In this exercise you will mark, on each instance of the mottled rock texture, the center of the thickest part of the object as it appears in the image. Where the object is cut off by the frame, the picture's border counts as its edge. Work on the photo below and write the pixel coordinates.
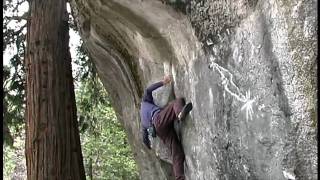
(248, 66)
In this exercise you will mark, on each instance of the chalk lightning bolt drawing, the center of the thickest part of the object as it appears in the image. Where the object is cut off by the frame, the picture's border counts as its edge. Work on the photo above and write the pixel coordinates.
(246, 99)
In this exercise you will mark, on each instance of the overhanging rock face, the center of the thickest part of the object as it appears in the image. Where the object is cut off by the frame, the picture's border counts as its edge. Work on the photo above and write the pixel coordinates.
(248, 66)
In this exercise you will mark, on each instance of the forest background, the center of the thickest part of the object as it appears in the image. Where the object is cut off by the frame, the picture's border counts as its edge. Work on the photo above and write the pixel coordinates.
(105, 148)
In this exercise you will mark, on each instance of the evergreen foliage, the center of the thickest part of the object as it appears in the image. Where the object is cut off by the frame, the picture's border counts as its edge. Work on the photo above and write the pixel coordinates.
(14, 35)
(105, 148)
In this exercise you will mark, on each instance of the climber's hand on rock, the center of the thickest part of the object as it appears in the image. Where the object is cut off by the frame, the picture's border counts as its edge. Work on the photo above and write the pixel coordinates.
(166, 79)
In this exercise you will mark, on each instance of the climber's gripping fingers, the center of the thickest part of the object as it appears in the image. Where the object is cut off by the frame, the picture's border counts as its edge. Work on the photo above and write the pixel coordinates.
(166, 79)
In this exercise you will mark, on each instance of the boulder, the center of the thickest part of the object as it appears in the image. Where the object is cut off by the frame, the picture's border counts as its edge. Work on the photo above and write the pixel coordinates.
(248, 67)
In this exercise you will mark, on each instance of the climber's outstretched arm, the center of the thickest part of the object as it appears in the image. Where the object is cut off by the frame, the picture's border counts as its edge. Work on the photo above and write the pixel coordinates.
(147, 96)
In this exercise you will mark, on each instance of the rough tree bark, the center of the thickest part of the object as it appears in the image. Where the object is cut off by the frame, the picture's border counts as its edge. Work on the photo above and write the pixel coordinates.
(53, 148)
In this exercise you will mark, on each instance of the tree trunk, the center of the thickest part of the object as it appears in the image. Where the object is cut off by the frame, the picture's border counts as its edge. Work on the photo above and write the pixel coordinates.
(53, 148)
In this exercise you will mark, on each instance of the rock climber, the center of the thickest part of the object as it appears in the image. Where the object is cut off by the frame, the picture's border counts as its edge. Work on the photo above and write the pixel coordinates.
(160, 122)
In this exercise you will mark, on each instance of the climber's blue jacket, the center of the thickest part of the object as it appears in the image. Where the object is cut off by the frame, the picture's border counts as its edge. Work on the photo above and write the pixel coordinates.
(148, 110)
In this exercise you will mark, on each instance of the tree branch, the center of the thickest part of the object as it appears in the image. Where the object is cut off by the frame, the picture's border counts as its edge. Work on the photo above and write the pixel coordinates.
(18, 18)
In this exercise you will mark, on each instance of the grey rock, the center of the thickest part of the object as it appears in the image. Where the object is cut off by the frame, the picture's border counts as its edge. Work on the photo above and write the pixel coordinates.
(248, 66)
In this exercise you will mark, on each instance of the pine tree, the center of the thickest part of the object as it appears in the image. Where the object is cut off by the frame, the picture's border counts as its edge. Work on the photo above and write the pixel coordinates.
(53, 148)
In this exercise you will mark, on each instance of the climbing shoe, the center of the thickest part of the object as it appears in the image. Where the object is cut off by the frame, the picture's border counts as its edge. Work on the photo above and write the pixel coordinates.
(185, 110)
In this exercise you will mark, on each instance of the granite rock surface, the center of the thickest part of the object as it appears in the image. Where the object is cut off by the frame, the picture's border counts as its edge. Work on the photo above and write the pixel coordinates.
(248, 66)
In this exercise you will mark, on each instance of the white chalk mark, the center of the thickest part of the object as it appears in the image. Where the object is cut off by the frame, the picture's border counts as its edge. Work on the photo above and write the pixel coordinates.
(288, 175)
(248, 106)
(261, 107)
(210, 98)
(228, 32)
(209, 42)
(227, 81)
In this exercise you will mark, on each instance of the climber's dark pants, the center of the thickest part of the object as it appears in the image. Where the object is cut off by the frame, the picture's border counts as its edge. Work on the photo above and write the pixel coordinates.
(165, 130)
